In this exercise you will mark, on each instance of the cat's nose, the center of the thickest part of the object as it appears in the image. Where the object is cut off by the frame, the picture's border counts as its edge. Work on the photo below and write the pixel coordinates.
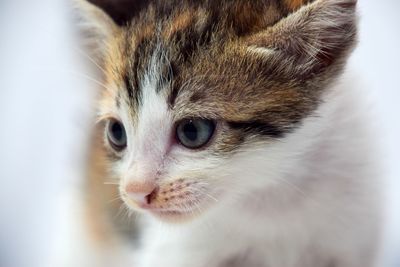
(142, 193)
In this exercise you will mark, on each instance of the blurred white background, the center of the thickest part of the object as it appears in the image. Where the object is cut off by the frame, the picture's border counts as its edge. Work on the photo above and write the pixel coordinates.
(377, 60)
(45, 112)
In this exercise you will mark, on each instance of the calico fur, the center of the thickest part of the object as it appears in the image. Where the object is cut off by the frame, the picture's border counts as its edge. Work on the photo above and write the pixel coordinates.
(289, 177)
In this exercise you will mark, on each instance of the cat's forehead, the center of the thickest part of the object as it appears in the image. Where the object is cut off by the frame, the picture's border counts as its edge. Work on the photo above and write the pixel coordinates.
(197, 64)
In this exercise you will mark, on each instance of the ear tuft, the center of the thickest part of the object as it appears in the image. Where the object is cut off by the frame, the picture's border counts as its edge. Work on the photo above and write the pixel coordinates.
(95, 25)
(314, 37)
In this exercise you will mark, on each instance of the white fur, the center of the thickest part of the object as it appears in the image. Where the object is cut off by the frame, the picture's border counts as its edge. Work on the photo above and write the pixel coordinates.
(148, 141)
(307, 200)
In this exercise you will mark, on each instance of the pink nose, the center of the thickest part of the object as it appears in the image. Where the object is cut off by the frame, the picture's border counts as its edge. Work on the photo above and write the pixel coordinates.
(142, 193)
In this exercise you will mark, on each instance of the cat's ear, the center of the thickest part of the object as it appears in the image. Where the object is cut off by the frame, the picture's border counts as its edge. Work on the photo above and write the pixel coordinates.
(96, 27)
(314, 38)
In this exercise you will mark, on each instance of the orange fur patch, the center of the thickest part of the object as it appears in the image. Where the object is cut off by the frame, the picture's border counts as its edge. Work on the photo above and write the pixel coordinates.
(179, 23)
(294, 4)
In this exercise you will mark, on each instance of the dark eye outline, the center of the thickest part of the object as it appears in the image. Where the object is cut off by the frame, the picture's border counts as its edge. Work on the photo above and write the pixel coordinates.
(111, 139)
(213, 125)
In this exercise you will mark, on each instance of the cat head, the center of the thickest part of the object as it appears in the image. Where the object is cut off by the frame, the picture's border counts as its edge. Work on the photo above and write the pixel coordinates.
(202, 99)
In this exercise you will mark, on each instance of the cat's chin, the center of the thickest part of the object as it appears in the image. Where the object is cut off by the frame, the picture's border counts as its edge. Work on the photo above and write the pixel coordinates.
(174, 216)
(165, 215)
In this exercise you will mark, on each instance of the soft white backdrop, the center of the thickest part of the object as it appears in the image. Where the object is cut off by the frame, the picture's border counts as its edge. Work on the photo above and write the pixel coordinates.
(377, 61)
(44, 113)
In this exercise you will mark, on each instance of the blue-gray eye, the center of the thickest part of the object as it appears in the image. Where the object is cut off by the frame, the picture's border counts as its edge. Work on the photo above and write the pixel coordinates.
(116, 135)
(194, 133)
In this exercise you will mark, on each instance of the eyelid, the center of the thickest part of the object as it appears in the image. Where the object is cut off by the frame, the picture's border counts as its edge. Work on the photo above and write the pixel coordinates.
(105, 118)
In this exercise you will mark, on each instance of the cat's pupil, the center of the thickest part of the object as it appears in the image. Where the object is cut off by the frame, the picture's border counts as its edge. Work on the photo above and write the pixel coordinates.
(117, 131)
(190, 131)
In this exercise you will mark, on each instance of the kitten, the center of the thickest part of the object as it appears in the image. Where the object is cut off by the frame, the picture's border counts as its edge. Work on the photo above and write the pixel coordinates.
(231, 133)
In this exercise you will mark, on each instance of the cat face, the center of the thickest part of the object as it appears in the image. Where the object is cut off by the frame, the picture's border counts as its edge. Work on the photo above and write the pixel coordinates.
(204, 103)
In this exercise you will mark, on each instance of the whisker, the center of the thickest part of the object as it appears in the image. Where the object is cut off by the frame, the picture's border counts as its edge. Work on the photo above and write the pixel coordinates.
(111, 183)
(203, 192)
(83, 75)
(91, 79)
(292, 185)
(314, 201)
(90, 58)
(114, 200)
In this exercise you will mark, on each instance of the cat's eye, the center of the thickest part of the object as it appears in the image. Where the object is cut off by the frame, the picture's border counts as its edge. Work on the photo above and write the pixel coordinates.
(194, 133)
(116, 135)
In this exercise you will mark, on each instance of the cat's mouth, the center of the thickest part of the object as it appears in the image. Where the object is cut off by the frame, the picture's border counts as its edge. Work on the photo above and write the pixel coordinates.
(176, 201)
(167, 214)
(174, 212)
